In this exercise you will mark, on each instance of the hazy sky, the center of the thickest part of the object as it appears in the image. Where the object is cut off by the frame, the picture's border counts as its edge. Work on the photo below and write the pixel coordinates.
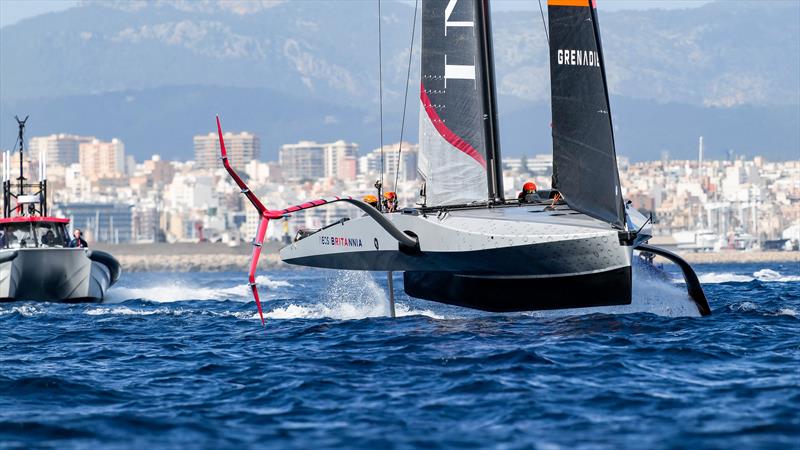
(12, 11)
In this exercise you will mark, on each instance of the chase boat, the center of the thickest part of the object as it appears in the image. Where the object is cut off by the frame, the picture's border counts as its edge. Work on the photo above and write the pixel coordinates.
(36, 262)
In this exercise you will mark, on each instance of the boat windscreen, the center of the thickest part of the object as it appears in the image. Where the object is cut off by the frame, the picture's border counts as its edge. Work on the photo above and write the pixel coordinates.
(17, 235)
(50, 235)
(33, 234)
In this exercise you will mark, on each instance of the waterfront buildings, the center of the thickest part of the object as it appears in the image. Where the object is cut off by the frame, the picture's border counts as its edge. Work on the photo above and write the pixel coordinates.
(309, 160)
(341, 160)
(396, 161)
(61, 149)
(100, 222)
(242, 148)
(102, 159)
(304, 160)
(697, 205)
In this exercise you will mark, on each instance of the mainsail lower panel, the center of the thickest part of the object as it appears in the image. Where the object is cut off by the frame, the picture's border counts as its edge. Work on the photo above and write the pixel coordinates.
(450, 176)
(453, 144)
(584, 158)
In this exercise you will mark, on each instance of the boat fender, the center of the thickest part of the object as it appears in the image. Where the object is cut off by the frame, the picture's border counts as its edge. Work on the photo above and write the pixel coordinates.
(107, 260)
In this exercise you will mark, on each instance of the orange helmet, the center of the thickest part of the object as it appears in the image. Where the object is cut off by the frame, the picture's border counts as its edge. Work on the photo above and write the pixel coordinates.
(389, 195)
(530, 186)
(370, 199)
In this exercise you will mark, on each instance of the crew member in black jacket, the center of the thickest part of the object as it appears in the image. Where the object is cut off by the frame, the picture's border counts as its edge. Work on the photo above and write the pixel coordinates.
(78, 242)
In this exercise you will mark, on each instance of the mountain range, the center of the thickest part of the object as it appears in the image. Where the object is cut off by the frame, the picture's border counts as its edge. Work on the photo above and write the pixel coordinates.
(154, 73)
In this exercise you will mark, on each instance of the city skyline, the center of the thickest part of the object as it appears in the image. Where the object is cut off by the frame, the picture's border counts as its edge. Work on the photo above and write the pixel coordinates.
(699, 204)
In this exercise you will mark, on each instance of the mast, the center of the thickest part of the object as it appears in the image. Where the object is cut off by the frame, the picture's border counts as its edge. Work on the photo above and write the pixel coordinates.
(21, 138)
(35, 202)
(494, 166)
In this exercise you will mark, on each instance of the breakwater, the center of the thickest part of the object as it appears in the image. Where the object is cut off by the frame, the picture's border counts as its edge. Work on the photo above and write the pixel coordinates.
(186, 257)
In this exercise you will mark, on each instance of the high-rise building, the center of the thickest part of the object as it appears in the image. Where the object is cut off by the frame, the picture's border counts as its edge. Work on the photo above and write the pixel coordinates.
(341, 160)
(304, 160)
(61, 149)
(312, 160)
(158, 170)
(395, 162)
(102, 159)
(242, 148)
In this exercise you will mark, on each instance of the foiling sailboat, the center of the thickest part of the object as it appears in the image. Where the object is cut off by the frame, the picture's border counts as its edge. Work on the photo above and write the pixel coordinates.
(36, 262)
(467, 245)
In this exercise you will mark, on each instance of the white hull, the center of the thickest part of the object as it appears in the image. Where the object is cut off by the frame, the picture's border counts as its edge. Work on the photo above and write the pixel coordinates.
(534, 242)
(466, 255)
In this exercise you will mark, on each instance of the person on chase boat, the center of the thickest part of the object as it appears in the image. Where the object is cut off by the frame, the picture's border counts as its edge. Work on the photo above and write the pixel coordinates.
(78, 241)
(528, 194)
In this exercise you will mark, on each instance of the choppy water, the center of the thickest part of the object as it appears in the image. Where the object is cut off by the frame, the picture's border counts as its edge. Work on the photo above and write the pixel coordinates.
(181, 361)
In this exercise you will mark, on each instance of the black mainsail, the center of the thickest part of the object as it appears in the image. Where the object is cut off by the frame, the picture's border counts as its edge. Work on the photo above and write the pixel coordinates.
(584, 157)
(459, 152)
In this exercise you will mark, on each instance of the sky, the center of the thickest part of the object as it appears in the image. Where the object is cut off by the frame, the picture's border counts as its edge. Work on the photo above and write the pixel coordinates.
(12, 11)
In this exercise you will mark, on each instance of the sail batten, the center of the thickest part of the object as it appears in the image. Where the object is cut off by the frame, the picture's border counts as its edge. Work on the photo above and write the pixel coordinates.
(584, 155)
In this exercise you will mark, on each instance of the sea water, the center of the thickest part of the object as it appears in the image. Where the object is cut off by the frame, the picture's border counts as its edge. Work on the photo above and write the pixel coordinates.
(181, 361)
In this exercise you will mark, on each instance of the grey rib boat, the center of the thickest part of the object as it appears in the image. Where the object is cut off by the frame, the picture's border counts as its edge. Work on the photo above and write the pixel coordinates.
(36, 262)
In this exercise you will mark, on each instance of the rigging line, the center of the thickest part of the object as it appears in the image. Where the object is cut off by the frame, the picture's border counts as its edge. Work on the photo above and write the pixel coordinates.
(405, 98)
(546, 33)
(380, 95)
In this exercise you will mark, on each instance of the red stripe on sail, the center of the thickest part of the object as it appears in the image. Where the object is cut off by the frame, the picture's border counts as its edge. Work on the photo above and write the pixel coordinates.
(454, 139)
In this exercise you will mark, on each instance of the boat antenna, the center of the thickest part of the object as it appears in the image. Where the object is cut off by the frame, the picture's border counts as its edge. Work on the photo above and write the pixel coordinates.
(21, 139)
(405, 97)
(544, 24)
(379, 183)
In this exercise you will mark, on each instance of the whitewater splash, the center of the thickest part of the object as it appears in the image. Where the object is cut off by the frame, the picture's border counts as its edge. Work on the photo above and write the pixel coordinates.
(351, 295)
(763, 275)
(180, 291)
(651, 294)
(356, 295)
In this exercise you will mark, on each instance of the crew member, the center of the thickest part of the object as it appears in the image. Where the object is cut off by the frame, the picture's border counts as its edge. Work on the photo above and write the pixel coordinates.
(390, 201)
(372, 200)
(528, 194)
(49, 238)
(78, 241)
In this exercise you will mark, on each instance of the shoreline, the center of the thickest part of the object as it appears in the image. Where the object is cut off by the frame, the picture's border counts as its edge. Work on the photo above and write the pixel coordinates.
(205, 257)
(741, 257)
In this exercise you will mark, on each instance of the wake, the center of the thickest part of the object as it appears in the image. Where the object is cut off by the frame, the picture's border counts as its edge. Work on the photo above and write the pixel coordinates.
(651, 294)
(355, 295)
(352, 295)
(180, 291)
(763, 275)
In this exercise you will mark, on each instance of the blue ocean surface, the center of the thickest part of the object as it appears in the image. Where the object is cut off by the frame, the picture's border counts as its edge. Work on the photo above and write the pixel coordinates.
(181, 361)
